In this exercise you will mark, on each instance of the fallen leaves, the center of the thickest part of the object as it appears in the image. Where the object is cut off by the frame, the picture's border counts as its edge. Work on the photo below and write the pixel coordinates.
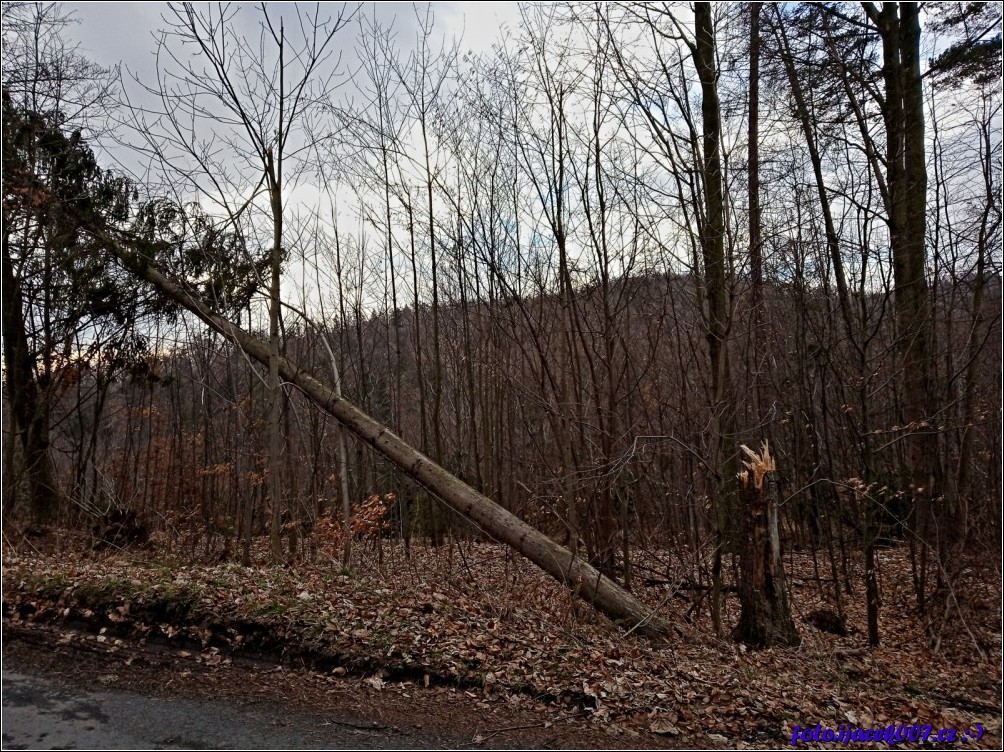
(497, 629)
(664, 728)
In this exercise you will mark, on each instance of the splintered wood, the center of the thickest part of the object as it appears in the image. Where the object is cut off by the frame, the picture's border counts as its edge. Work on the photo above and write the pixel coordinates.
(759, 465)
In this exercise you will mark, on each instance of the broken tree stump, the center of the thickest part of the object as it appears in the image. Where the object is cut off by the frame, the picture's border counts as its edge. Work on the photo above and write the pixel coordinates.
(765, 618)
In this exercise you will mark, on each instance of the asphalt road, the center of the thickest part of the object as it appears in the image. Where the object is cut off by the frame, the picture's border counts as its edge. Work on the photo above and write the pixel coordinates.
(39, 713)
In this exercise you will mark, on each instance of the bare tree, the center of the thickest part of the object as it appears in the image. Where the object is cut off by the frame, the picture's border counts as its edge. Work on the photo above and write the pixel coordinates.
(253, 99)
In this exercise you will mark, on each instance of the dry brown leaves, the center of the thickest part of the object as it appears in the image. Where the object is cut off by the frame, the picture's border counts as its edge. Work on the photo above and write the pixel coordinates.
(476, 618)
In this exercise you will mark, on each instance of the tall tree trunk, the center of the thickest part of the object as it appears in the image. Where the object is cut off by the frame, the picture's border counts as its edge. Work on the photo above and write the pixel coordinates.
(976, 332)
(275, 394)
(753, 154)
(342, 462)
(906, 180)
(713, 249)
(29, 408)
(815, 158)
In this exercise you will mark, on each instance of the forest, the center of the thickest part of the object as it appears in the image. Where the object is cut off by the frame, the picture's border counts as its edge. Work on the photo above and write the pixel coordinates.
(625, 372)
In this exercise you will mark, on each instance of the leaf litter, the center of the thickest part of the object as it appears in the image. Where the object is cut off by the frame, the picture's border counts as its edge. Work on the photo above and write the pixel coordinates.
(489, 625)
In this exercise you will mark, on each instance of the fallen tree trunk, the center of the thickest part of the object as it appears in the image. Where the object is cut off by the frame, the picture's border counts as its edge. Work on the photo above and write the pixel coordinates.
(574, 573)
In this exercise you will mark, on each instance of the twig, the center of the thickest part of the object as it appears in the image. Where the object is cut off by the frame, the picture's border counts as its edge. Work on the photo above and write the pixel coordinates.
(653, 612)
(479, 739)
(360, 726)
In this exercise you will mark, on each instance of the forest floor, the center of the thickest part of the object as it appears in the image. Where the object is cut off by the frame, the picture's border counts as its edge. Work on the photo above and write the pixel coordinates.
(473, 643)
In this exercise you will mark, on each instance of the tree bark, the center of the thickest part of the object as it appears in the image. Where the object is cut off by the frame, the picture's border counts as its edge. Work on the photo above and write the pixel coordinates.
(753, 155)
(713, 249)
(29, 408)
(906, 179)
(274, 428)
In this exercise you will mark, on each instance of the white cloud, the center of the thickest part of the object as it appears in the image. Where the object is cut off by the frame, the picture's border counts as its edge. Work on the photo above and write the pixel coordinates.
(479, 25)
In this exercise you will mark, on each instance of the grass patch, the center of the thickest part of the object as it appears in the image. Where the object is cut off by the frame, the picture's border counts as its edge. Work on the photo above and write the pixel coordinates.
(271, 608)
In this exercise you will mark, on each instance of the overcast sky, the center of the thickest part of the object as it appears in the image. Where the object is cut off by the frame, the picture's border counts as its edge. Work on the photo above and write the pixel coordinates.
(126, 33)
(110, 33)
